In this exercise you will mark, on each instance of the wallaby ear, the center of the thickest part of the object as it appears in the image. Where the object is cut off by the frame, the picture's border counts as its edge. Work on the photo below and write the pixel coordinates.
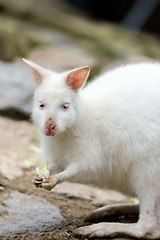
(38, 72)
(77, 77)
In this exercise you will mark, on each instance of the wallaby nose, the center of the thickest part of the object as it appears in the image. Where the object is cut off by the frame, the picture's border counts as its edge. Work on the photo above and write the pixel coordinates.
(50, 128)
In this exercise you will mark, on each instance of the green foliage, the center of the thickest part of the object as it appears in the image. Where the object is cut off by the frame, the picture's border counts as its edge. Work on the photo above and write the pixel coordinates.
(17, 39)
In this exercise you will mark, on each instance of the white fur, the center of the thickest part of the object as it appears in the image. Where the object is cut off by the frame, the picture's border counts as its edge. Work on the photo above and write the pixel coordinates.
(111, 133)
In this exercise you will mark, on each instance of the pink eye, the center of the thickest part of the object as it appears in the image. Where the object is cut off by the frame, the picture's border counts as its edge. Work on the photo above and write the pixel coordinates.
(42, 106)
(65, 106)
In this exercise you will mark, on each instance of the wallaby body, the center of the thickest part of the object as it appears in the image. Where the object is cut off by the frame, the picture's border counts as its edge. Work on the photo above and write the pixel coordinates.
(106, 133)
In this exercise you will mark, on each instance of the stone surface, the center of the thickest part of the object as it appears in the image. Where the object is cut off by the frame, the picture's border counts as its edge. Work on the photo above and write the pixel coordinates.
(92, 193)
(16, 87)
(62, 56)
(19, 145)
(22, 213)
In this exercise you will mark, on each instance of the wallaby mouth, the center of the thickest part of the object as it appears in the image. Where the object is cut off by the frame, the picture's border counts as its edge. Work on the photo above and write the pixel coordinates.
(50, 128)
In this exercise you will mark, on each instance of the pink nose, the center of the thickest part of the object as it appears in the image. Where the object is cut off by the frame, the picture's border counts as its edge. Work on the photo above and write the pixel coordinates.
(50, 128)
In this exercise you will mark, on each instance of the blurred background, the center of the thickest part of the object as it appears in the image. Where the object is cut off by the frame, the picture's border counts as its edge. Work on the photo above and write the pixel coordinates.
(63, 34)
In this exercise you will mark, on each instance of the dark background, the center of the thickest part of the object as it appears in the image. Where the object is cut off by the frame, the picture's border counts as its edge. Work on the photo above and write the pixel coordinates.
(135, 14)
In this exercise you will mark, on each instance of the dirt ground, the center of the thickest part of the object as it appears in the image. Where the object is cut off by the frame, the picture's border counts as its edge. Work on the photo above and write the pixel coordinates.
(73, 209)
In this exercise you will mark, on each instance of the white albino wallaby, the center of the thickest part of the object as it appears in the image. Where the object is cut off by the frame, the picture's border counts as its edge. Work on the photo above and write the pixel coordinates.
(107, 133)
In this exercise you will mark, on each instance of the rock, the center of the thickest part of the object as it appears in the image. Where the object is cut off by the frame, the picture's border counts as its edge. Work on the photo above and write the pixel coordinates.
(9, 168)
(22, 213)
(92, 193)
(19, 139)
(17, 87)
(62, 56)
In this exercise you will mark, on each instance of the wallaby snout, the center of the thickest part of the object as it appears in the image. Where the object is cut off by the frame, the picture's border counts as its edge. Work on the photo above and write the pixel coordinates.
(50, 128)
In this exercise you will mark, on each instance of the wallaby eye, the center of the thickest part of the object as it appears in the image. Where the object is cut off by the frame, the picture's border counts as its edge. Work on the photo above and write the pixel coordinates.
(42, 105)
(65, 106)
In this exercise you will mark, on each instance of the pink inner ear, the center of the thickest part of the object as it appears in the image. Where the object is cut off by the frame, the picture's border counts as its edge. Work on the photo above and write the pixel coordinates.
(77, 78)
(38, 77)
(38, 72)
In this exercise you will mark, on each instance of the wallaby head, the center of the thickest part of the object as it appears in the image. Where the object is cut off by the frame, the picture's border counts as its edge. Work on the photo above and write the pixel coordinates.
(57, 103)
